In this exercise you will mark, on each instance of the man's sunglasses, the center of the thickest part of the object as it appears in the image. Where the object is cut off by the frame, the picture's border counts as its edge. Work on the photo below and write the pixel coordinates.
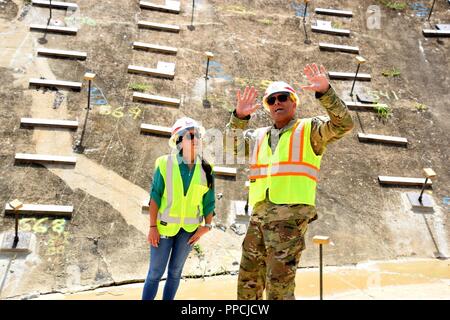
(191, 136)
(281, 97)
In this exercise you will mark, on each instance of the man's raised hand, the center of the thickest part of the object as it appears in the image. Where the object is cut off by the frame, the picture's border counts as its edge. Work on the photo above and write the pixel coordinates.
(317, 78)
(246, 102)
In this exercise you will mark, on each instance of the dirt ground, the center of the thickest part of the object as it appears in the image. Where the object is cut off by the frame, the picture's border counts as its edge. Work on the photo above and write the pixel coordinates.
(254, 42)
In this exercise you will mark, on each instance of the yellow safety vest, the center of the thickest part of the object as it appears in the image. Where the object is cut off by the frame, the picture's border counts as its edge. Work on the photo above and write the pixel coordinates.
(177, 210)
(291, 173)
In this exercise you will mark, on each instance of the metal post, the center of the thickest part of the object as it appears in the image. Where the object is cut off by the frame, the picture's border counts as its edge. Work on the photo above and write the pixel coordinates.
(354, 80)
(43, 39)
(431, 11)
(423, 188)
(304, 12)
(191, 27)
(207, 68)
(307, 41)
(16, 236)
(79, 146)
(50, 19)
(321, 273)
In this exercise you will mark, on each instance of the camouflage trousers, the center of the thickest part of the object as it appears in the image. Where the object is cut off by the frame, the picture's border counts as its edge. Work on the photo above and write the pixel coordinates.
(271, 251)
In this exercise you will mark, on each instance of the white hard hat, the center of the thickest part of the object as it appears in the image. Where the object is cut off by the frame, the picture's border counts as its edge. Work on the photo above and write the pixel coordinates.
(276, 87)
(180, 126)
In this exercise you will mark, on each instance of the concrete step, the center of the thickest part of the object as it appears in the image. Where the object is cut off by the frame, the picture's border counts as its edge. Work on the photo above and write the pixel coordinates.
(349, 76)
(62, 53)
(48, 123)
(154, 129)
(170, 6)
(399, 141)
(402, 181)
(332, 31)
(53, 29)
(335, 47)
(334, 12)
(225, 171)
(55, 4)
(43, 159)
(436, 33)
(55, 84)
(39, 209)
(143, 97)
(151, 72)
(154, 48)
(158, 26)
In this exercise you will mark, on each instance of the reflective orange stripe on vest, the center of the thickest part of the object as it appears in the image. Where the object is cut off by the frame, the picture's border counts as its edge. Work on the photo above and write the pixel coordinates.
(293, 167)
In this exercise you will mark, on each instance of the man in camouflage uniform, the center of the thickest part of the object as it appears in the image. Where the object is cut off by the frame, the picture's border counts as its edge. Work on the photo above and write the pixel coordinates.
(275, 237)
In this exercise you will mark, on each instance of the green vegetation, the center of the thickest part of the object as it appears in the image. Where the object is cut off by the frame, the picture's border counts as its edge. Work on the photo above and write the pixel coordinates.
(383, 111)
(198, 250)
(394, 5)
(336, 25)
(141, 87)
(267, 22)
(394, 72)
(237, 9)
(420, 107)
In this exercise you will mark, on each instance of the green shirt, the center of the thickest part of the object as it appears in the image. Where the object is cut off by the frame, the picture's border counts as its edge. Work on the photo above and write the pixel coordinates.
(158, 185)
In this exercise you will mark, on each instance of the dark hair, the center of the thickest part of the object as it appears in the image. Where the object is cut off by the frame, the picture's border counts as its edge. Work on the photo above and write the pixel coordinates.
(205, 165)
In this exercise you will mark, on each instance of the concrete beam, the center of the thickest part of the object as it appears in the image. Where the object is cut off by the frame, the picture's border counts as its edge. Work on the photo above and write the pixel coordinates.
(49, 123)
(150, 128)
(332, 31)
(55, 4)
(402, 181)
(358, 106)
(143, 97)
(224, 171)
(334, 12)
(55, 84)
(62, 53)
(436, 33)
(170, 6)
(154, 48)
(158, 26)
(335, 47)
(151, 72)
(398, 141)
(53, 29)
(37, 209)
(43, 159)
(349, 76)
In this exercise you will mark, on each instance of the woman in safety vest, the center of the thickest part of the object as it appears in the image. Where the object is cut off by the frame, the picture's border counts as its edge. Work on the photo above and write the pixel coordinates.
(182, 197)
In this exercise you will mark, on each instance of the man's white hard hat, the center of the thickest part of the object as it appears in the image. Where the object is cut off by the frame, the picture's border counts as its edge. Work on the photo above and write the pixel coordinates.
(181, 126)
(278, 87)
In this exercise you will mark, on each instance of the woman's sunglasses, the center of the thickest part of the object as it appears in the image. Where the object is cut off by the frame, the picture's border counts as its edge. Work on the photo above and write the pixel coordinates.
(281, 97)
(191, 136)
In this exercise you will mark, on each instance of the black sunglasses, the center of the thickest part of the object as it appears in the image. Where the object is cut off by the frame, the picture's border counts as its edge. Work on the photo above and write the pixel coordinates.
(281, 97)
(191, 136)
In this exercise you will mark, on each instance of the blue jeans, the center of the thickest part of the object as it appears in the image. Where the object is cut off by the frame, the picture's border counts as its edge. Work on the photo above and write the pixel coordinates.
(178, 249)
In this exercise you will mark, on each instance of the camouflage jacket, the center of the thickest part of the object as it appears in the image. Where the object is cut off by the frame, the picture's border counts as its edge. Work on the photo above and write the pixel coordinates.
(324, 129)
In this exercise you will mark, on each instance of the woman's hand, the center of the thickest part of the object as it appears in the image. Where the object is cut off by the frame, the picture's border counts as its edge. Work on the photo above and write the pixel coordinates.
(198, 234)
(153, 237)
(246, 103)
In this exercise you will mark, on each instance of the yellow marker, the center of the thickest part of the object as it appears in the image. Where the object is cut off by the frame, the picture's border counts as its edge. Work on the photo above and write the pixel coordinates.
(429, 173)
(321, 240)
(360, 60)
(16, 204)
(89, 76)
